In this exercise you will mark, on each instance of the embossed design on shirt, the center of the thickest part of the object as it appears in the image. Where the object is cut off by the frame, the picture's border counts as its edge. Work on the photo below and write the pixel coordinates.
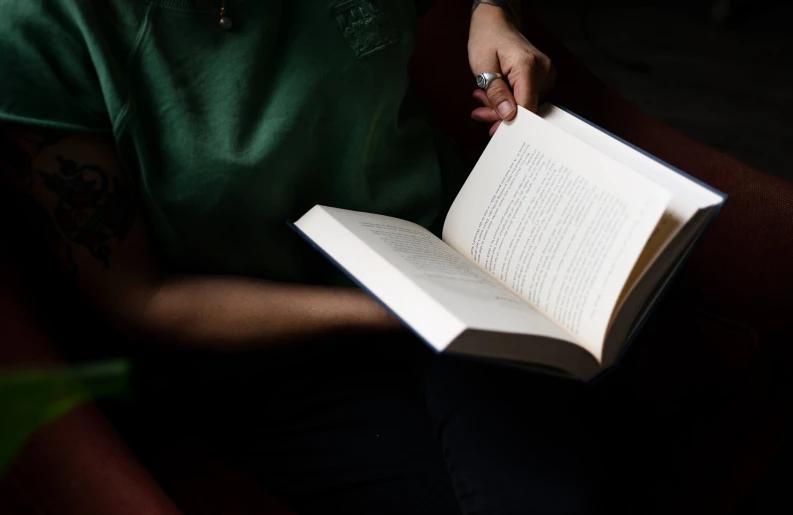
(366, 24)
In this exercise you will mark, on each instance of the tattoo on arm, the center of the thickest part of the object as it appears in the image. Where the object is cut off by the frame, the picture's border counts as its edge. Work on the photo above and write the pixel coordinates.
(91, 210)
(504, 4)
(91, 207)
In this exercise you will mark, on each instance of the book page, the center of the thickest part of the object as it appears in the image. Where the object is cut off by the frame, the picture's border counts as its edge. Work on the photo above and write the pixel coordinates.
(427, 284)
(559, 223)
(688, 196)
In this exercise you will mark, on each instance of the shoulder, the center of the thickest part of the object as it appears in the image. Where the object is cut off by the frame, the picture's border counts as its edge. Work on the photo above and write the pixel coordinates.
(57, 50)
(51, 13)
(72, 29)
(33, 18)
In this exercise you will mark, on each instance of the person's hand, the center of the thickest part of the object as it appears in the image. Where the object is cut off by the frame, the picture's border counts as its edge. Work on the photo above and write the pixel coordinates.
(496, 45)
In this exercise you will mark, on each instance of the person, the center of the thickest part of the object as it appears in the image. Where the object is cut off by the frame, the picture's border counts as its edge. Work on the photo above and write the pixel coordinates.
(158, 148)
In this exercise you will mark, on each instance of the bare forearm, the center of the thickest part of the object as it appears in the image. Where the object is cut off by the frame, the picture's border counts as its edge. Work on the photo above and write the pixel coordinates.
(236, 313)
(105, 248)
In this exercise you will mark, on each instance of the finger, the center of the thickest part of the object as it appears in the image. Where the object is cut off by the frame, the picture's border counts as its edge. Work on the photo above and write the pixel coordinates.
(500, 96)
(481, 96)
(530, 76)
(520, 78)
(494, 128)
(526, 90)
(485, 114)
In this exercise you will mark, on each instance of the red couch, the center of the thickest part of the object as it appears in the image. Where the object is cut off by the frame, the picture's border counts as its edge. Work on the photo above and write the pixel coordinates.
(720, 338)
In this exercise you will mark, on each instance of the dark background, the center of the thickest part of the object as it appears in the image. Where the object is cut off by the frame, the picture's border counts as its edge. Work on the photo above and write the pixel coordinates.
(721, 72)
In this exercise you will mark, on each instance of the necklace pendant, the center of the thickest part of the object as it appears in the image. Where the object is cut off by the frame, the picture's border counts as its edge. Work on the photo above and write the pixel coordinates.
(225, 20)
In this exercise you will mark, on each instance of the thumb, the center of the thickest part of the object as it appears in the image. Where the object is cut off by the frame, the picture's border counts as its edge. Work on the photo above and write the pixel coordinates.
(500, 97)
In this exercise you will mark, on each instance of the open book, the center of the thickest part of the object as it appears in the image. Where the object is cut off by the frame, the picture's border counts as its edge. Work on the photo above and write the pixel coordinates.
(553, 252)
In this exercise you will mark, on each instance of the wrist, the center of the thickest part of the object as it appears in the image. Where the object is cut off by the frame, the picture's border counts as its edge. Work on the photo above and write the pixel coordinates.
(505, 10)
(487, 17)
(489, 12)
(370, 315)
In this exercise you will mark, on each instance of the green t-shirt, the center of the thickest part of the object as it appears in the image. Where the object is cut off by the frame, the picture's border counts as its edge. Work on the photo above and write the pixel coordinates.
(231, 133)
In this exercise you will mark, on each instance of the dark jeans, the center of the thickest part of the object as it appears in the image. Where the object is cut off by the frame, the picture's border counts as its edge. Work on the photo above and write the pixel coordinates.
(383, 425)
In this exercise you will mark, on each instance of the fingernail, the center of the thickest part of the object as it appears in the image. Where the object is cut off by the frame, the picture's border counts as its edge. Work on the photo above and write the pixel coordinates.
(504, 108)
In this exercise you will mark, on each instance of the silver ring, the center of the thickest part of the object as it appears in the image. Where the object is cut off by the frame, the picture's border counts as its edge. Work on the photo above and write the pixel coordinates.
(484, 80)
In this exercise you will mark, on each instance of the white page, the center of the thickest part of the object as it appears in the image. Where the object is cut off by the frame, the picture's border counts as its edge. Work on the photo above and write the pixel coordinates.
(688, 197)
(559, 223)
(426, 283)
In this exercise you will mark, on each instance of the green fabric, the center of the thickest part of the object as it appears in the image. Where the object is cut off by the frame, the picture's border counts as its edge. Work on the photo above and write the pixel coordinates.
(231, 133)
(31, 398)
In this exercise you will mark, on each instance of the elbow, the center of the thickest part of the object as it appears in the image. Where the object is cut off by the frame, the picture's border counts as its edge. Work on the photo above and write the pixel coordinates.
(156, 316)
(143, 316)
(166, 315)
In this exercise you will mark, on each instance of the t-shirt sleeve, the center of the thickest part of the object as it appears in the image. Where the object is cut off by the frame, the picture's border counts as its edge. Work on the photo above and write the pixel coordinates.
(48, 77)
